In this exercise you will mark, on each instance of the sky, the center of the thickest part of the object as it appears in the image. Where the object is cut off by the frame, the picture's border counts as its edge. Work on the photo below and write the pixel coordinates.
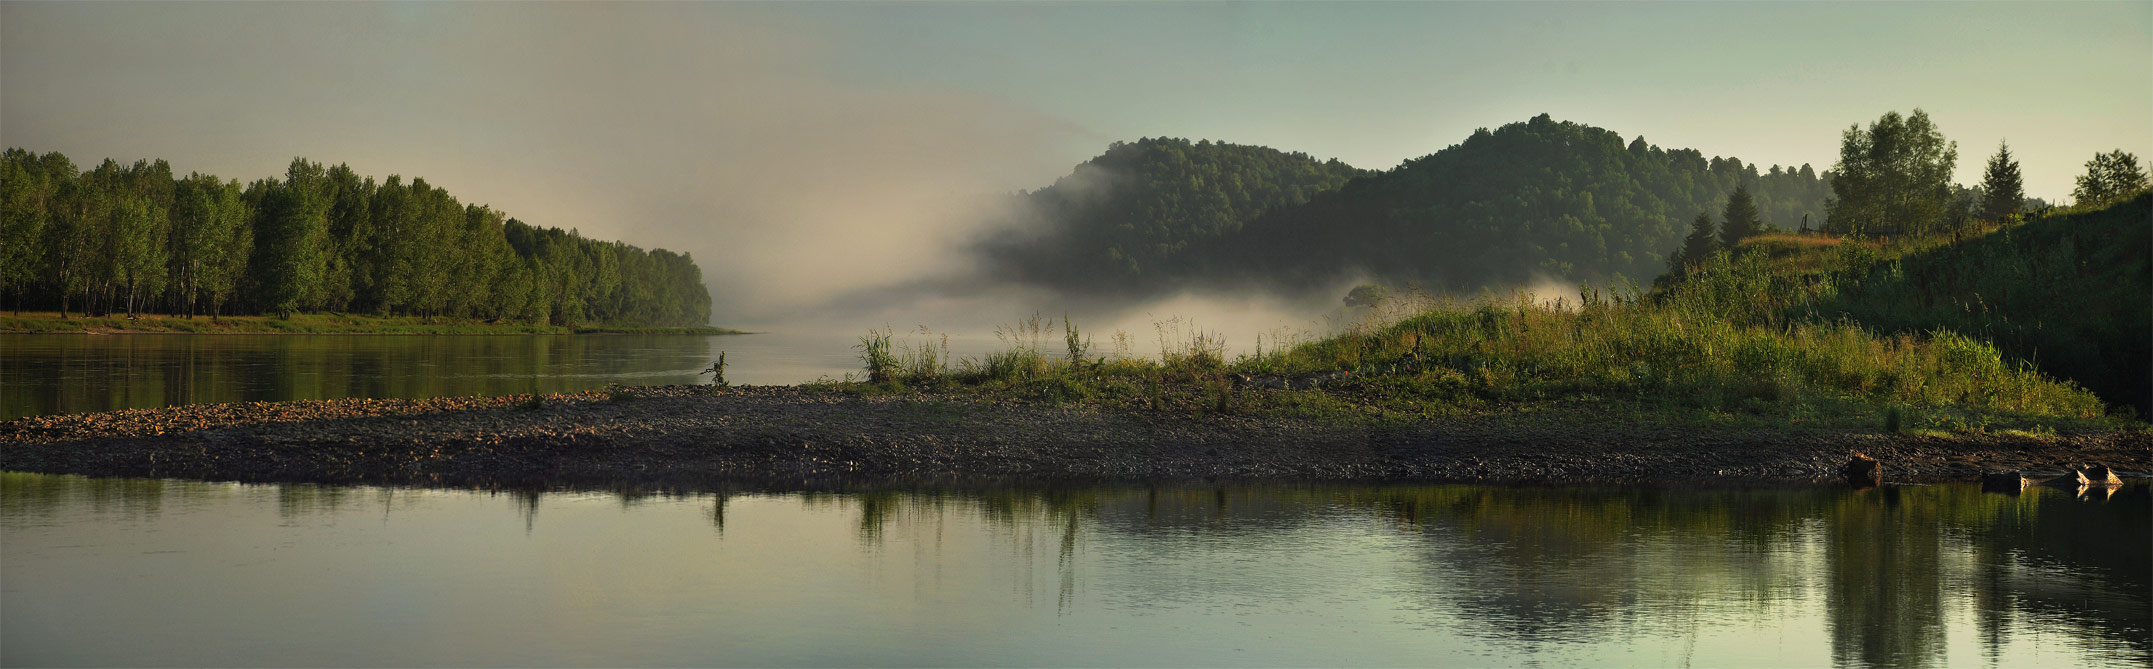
(804, 150)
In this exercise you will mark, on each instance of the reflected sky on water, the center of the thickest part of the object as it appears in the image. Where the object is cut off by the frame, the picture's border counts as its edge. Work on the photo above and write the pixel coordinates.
(106, 571)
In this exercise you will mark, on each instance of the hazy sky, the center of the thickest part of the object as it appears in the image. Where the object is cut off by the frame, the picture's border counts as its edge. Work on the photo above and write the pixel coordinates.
(802, 149)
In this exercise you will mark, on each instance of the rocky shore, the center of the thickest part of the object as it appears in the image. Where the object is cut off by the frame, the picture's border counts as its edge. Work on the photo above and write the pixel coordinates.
(687, 437)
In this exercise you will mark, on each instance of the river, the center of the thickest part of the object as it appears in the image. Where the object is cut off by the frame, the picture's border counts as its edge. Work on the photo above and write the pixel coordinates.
(71, 373)
(119, 572)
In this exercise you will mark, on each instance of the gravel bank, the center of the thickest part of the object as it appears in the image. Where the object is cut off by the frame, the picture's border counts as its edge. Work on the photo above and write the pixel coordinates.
(684, 437)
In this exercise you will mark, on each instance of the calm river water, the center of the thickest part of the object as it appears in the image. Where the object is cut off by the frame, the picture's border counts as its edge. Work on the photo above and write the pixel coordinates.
(144, 572)
(69, 373)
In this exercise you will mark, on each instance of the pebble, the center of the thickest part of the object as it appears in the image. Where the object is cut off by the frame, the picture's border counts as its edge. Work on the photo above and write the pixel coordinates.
(689, 437)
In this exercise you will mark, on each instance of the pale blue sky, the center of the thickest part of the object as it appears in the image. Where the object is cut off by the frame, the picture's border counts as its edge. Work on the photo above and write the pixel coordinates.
(814, 146)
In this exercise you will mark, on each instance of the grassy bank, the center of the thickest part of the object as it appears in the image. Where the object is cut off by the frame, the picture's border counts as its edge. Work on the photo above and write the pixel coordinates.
(2065, 293)
(48, 322)
(1734, 348)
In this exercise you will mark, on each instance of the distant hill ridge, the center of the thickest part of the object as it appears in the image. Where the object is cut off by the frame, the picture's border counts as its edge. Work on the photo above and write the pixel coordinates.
(1134, 216)
(1531, 200)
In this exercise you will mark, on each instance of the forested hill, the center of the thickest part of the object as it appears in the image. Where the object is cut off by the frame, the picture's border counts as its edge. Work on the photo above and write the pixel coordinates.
(1537, 199)
(1131, 216)
(136, 238)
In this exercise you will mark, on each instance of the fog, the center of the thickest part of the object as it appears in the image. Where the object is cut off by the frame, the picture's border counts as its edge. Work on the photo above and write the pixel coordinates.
(814, 186)
(813, 201)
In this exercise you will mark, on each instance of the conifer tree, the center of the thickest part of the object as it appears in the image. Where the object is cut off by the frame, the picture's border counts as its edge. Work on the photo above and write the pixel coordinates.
(1698, 246)
(1742, 221)
(2004, 191)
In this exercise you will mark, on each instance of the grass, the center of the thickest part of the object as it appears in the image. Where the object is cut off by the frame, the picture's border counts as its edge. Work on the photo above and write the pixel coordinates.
(2065, 293)
(326, 323)
(1741, 344)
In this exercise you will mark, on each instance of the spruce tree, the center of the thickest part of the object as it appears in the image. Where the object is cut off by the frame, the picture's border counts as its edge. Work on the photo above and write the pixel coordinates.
(1742, 221)
(1699, 245)
(2005, 191)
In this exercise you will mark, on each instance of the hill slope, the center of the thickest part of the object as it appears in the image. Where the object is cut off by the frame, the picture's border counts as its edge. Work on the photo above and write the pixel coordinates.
(2065, 292)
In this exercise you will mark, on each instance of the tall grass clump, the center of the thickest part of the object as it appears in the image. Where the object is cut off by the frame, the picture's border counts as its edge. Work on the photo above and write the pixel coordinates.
(1079, 347)
(875, 352)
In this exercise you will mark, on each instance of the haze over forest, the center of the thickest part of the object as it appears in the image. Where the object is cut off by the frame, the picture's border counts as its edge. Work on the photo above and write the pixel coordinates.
(851, 165)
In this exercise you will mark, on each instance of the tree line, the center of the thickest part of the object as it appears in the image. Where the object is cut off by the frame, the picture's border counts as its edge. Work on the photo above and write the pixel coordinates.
(132, 239)
(1894, 178)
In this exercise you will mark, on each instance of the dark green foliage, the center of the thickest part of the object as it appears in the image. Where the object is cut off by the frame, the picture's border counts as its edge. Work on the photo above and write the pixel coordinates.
(1535, 199)
(1894, 178)
(2109, 177)
(2066, 293)
(27, 202)
(1702, 241)
(1132, 215)
(2003, 191)
(319, 239)
(212, 242)
(1740, 219)
(291, 240)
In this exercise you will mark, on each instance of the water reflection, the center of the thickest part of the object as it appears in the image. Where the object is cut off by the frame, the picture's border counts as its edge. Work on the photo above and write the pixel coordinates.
(1901, 576)
(42, 374)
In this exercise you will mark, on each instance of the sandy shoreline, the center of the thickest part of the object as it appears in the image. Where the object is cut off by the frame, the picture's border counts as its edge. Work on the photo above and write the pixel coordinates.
(685, 438)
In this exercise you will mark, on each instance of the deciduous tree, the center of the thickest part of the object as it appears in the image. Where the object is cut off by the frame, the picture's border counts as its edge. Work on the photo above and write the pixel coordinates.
(1894, 177)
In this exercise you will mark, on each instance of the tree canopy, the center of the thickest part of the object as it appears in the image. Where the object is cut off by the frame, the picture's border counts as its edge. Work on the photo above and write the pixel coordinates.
(1132, 215)
(2109, 177)
(1740, 220)
(317, 239)
(2003, 191)
(1893, 178)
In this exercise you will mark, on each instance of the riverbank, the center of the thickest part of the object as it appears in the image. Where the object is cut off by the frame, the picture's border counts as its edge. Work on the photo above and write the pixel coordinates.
(52, 323)
(688, 437)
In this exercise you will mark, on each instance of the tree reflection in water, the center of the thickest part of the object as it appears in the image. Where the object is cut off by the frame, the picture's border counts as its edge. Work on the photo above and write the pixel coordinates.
(1891, 573)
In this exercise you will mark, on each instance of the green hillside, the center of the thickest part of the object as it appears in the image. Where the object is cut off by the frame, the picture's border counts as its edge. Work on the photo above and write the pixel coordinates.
(2070, 293)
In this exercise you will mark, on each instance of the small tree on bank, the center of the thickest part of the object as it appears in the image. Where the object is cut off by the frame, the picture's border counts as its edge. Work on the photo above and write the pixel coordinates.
(2004, 191)
(2109, 177)
(1894, 176)
(1699, 245)
(1742, 221)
